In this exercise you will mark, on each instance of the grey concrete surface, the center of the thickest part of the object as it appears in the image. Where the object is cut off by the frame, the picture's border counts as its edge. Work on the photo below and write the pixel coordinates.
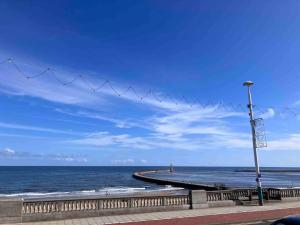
(11, 210)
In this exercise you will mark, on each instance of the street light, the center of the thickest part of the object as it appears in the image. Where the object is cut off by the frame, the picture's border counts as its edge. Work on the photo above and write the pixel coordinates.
(252, 122)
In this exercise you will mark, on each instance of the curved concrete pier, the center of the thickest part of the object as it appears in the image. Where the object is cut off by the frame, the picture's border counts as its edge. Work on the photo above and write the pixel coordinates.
(193, 186)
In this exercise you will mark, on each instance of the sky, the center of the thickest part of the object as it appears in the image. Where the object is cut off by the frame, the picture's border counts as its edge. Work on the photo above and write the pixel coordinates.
(148, 83)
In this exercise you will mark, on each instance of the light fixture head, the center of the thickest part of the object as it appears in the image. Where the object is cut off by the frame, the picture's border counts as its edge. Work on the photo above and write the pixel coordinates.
(248, 83)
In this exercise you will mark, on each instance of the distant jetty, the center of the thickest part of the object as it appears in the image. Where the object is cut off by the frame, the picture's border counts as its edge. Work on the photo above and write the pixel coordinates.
(193, 186)
(270, 170)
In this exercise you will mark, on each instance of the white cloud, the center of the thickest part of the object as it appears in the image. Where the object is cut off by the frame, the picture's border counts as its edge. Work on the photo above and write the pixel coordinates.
(181, 128)
(296, 103)
(34, 128)
(160, 141)
(46, 86)
(7, 152)
(175, 124)
(291, 142)
(123, 161)
(144, 161)
(93, 115)
(107, 139)
(63, 157)
(270, 113)
(79, 92)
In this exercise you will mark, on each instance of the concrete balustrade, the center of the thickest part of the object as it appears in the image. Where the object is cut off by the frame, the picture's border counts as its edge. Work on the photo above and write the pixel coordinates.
(19, 210)
(37, 210)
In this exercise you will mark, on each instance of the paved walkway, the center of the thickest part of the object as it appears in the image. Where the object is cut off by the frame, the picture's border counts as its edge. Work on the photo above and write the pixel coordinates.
(222, 215)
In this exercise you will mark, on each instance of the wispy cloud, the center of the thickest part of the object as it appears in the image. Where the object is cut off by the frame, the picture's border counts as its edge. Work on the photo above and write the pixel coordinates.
(290, 142)
(123, 161)
(198, 120)
(296, 103)
(129, 161)
(158, 141)
(107, 139)
(270, 113)
(40, 129)
(10, 153)
(174, 124)
(190, 129)
(7, 152)
(79, 92)
(45, 87)
(125, 123)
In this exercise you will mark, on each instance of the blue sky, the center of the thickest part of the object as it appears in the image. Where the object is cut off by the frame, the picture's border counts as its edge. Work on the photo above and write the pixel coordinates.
(202, 50)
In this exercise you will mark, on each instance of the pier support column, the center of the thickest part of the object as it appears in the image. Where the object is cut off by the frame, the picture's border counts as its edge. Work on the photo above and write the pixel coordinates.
(11, 210)
(198, 199)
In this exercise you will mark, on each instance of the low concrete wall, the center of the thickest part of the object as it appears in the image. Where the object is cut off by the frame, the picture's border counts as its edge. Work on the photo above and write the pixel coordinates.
(291, 199)
(223, 203)
(11, 210)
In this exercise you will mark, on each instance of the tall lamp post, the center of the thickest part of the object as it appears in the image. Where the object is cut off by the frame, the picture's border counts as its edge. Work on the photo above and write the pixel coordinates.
(252, 122)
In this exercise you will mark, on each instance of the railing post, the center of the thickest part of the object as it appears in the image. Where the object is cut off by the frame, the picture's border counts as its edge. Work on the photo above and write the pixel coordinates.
(11, 210)
(250, 195)
(221, 196)
(280, 194)
(59, 206)
(268, 194)
(131, 203)
(164, 201)
(198, 199)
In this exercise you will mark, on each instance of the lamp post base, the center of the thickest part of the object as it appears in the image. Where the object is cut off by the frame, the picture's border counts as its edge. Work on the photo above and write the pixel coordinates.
(260, 196)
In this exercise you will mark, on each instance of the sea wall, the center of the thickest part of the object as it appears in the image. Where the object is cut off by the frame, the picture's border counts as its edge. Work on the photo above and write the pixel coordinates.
(187, 185)
(30, 210)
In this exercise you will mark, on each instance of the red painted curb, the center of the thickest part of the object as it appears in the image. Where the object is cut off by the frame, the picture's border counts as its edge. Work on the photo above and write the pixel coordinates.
(222, 218)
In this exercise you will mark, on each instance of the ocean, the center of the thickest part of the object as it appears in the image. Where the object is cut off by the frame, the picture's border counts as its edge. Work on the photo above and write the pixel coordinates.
(29, 182)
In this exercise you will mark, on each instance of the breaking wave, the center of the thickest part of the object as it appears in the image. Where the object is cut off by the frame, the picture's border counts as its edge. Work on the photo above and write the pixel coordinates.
(111, 191)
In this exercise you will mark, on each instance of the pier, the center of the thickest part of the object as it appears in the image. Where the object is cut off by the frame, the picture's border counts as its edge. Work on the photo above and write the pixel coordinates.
(187, 185)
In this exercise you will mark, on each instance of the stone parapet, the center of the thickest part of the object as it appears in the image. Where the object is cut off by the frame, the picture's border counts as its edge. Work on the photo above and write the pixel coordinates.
(198, 199)
(11, 210)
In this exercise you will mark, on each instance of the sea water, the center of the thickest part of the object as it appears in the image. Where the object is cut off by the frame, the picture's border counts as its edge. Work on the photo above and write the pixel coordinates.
(29, 182)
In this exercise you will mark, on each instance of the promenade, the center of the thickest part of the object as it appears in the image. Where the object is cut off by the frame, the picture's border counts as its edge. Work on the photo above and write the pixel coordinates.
(223, 215)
